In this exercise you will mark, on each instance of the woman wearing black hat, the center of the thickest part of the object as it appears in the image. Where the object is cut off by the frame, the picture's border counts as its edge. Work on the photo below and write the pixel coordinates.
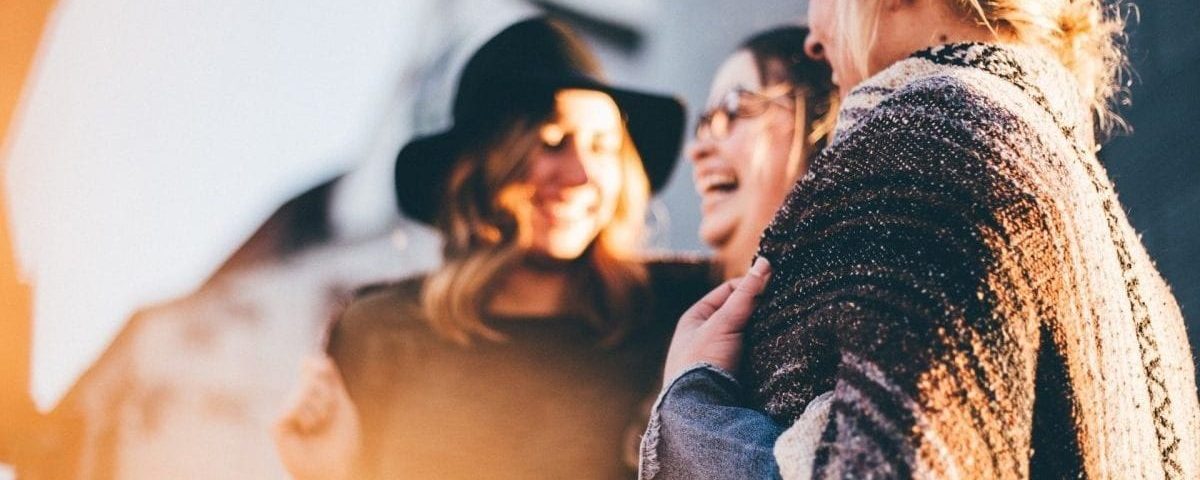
(527, 354)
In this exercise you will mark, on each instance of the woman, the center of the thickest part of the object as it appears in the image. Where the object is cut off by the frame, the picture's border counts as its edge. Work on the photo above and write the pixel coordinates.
(528, 353)
(769, 112)
(956, 291)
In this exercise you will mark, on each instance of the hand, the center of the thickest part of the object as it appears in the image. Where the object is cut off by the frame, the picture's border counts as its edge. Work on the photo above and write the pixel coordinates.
(711, 331)
(318, 434)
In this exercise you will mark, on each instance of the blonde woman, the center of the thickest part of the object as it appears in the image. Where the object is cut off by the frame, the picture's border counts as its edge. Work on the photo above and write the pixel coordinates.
(954, 290)
(526, 355)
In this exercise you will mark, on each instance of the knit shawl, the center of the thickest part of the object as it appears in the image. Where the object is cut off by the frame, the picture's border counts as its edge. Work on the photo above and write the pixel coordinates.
(957, 270)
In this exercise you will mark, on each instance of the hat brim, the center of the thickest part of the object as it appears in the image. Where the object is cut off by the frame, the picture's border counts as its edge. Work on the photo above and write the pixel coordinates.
(655, 123)
(420, 175)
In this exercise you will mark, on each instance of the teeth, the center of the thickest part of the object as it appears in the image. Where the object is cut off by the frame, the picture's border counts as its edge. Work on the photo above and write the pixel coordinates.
(567, 211)
(713, 181)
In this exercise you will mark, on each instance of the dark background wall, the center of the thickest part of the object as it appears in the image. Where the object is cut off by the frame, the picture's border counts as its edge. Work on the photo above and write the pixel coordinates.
(1157, 167)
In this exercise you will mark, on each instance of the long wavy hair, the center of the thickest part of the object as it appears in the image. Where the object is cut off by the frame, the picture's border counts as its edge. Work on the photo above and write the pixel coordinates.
(486, 235)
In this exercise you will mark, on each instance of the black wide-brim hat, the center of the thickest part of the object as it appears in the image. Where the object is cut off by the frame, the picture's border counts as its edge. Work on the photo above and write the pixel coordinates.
(519, 70)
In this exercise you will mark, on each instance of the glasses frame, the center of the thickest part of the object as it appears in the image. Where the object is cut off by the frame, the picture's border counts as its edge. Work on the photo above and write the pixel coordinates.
(717, 121)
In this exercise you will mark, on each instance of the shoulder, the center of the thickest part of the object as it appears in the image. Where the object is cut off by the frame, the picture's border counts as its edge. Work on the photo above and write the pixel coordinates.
(975, 115)
(948, 106)
(681, 269)
(376, 309)
(930, 157)
(677, 281)
(951, 133)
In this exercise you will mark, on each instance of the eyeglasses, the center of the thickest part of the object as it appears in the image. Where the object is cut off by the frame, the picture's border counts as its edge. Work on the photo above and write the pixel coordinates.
(717, 122)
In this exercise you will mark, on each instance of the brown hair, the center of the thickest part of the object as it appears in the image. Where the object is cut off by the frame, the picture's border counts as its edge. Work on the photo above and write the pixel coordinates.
(485, 236)
(780, 58)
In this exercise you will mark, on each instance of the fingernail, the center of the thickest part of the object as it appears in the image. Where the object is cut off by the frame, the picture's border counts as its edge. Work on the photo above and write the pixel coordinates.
(761, 266)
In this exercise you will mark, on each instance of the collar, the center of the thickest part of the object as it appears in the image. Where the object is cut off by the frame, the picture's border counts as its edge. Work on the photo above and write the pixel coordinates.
(1039, 76)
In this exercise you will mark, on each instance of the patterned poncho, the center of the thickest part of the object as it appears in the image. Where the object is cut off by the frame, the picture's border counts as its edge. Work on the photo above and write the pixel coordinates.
(957, 271)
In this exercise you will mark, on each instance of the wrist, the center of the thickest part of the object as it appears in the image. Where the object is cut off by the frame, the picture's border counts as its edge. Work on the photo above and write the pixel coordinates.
(700, 367)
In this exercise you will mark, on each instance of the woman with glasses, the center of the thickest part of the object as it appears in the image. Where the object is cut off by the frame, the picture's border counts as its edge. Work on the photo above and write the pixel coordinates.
(769, 112)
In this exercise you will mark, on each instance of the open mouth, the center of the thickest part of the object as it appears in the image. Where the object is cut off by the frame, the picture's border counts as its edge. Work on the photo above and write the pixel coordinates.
(717, 183)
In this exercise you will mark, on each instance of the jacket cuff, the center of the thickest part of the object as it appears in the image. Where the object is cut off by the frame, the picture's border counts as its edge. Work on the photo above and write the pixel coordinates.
(648, 461)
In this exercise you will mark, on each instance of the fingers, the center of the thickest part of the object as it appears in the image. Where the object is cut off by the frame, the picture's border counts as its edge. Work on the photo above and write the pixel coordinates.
(706, 306)
(312, 404)
(739, 304)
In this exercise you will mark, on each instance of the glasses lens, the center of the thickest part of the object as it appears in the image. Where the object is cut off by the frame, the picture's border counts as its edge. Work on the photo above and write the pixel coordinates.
(714, 124)
(737, 103)
(750, 105)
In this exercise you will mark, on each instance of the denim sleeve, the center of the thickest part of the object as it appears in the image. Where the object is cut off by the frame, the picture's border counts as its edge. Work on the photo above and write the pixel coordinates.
(699, 428)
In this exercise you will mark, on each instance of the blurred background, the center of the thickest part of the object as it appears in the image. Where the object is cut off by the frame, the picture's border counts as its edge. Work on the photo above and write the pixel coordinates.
(188, 187)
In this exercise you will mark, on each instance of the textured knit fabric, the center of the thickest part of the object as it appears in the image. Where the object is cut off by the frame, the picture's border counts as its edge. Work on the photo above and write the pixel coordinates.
(548, 402)
(796, 449)
(957, 270)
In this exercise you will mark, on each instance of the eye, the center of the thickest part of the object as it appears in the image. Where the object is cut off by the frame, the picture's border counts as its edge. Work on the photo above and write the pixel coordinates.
(552, 137)
(606, 144)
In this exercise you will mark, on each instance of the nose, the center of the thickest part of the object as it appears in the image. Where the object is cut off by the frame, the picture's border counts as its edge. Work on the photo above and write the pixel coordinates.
(571, 171)
(814, 48)
(700, 149)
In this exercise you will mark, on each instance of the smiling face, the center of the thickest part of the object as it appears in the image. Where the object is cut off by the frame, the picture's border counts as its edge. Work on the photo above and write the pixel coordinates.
(574, 178)
(743, 177)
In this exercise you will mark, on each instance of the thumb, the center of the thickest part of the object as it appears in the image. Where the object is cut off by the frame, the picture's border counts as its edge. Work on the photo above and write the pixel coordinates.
(708, 305)
(733, 315)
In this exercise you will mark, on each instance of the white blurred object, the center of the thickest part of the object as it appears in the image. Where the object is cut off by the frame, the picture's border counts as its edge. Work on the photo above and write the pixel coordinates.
(190, 388)
(155, 137)
(7, 473)
(635, 14)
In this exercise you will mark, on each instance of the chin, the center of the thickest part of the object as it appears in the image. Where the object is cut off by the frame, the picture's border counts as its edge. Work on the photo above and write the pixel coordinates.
(716, 237)
(564, 247)
(564, 255)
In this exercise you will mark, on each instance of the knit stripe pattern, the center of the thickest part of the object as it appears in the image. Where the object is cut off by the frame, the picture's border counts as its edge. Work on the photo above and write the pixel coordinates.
(957, 269)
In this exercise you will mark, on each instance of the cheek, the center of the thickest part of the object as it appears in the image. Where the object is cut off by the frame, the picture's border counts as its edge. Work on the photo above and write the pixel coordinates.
(609, 182)
(778, 181)
(820, 19)
(743, 140)
(757, 143)
(773, 174)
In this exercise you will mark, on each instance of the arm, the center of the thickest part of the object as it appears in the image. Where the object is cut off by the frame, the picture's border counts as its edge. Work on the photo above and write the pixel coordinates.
(906, 252)
(908, 245)
(698, 427)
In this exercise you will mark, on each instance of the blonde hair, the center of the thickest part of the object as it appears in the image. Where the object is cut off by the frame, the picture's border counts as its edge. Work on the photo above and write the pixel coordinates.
(1086, 36)
(485, 235)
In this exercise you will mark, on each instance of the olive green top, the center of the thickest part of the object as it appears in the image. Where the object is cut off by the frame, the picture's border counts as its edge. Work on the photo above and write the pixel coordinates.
(548, 402)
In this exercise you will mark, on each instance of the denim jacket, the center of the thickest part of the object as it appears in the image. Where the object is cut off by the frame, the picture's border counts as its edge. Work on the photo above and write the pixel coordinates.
(700, 428)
